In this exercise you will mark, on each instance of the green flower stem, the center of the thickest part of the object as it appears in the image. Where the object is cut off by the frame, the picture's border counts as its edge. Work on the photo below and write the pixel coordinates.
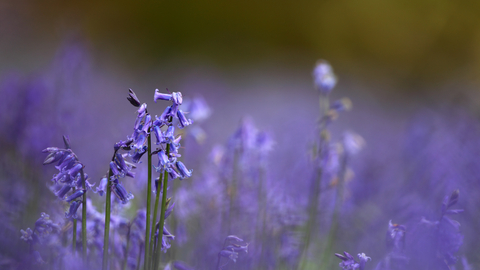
(74, 239)
(261, 233)
(155, 211)
(107, 219)
(84, 217)
(327, 253)
(149, 202)
(162, 210)
(315, 195)
(233, 192)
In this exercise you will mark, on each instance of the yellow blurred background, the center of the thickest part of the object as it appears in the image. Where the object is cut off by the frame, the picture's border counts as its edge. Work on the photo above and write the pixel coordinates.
(409, 41)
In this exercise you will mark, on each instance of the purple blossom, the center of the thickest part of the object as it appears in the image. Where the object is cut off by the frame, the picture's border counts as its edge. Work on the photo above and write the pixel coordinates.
(161, 96)
(183, 119)
(231, 248)
(184, 172)
(75, 195)
(349, 263)
(63, 191)
(324, 78)
(72, 211)
(132, 97)
(26, 235)
(102, 186)
(121, 193)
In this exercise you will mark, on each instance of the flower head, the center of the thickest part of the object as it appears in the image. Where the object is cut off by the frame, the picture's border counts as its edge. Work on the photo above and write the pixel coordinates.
(133, 98)
(324, 78)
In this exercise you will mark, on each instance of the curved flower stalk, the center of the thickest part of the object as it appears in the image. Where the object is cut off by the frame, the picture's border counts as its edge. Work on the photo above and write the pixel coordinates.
(70, 180)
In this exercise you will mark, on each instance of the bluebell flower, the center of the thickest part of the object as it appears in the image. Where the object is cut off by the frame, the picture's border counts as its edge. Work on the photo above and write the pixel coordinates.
(102, 186)
(323, 76)
(63, 191)
(161, 96)
(167, 238)
(44, 225)
(396, 237)
(78, 193)
(142, 110)
(72, 210)
(184, 172)
(140, 137)
(231, 250)
(54, 156)
(349, 263)
(66, 163)
(170, 134)
(352, 143)
(197, 108)
(448, 238)
(115, 172)
(27, 235)
(75, 170)
(169, 210)
(132, 97)
(183, 119)
(137, 155)
(164, 117)
(344, 104)
(79, 182)
(121, 193)
(177, 98)
(158, 134)
(163, 161)
(172, 173)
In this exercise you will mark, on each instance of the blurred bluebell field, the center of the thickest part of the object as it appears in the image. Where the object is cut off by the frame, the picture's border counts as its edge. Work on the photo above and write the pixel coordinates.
(274, 160)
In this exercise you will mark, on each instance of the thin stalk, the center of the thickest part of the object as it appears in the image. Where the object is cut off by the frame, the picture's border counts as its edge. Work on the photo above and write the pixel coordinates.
(155, 211)
(316, 189)
(149, 200)
(162, 210)
(336, 212)
(107, 220)
(84, 217)
(155, 258)
(261, 217)
(233, 193)
(74, 239)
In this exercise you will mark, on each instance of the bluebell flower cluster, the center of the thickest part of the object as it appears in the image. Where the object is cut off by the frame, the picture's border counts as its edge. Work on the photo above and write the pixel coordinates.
(69, 179)
(44, 228)
(167, 160)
